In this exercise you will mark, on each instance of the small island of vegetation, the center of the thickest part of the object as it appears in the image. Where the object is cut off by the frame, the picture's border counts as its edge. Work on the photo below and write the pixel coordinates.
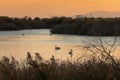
(90, 27)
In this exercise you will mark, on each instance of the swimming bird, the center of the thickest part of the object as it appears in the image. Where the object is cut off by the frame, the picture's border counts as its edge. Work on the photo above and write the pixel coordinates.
(23, 34)
(57, 48)
(71, 52)
(50, 34)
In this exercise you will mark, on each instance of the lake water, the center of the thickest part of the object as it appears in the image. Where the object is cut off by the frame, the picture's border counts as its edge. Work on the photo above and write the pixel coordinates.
(18, 43)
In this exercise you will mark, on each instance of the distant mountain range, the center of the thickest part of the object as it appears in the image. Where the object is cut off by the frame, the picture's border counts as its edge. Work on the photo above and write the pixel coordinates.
(103, 14)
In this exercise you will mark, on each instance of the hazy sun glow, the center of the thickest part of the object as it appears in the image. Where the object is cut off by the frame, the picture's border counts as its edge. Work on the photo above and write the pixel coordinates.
(49, 8)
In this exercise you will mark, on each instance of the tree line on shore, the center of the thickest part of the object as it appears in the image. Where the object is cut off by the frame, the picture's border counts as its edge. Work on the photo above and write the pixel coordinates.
(9, 23)
(90, 26)
(64, 25)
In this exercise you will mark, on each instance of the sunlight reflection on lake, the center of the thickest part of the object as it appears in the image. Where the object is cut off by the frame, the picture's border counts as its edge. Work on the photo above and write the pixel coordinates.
(15, 44)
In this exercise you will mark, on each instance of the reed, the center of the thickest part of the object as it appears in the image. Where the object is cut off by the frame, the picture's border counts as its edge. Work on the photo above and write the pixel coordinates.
(39, 69)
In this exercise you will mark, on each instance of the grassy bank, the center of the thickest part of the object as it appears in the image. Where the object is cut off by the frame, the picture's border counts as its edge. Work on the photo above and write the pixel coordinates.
(39, 69)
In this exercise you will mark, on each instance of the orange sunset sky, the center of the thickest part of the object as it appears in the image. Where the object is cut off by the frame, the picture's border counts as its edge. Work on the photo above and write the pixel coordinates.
(49, 8)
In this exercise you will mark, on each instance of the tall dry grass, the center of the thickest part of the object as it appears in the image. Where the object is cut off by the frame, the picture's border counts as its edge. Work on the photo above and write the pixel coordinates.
(39, 69)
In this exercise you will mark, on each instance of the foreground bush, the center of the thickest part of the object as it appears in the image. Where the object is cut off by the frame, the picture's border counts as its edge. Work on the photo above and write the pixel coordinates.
(39, 69)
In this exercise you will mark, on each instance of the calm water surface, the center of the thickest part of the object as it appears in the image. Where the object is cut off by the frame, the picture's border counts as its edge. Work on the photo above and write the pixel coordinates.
(16, 44)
